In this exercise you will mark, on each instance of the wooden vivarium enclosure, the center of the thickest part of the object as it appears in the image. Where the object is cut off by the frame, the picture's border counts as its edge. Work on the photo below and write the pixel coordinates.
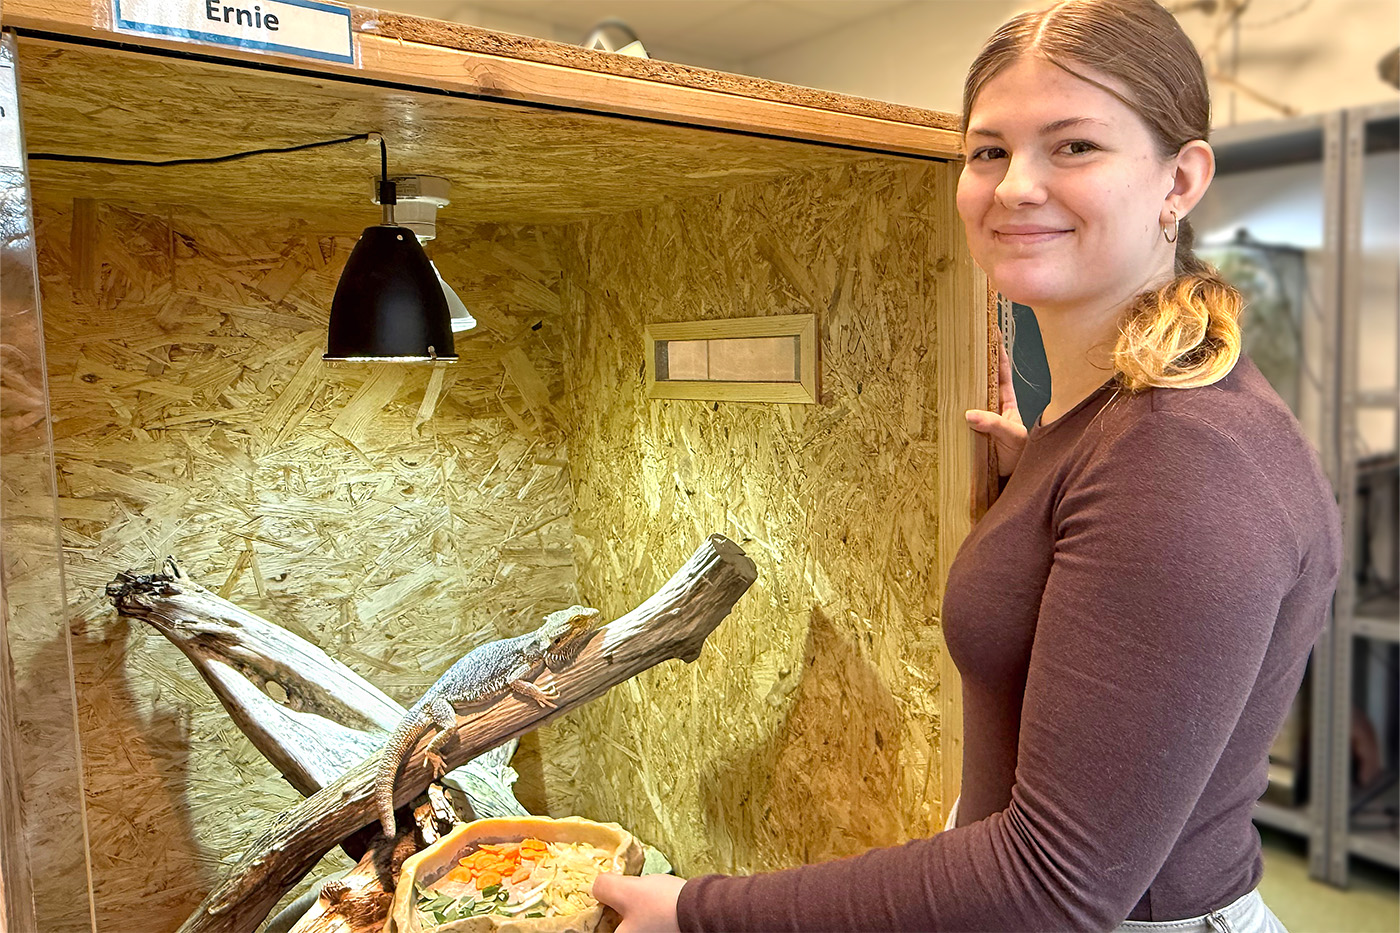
(163, 394)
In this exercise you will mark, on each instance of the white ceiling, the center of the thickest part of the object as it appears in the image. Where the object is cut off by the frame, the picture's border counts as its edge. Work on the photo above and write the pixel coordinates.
(708, 33)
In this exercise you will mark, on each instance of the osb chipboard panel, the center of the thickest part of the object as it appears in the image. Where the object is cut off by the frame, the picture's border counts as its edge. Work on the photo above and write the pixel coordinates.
(394, 515)
(507, 162)
(810, 726)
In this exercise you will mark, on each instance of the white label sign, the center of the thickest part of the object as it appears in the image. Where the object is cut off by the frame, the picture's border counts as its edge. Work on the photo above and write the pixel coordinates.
(306, 28)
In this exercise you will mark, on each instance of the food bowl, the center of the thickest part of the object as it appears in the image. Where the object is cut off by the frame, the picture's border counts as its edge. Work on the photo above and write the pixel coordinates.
(536, 904)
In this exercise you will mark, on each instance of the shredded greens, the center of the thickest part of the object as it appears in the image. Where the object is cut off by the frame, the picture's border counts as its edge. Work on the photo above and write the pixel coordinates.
(436, 909)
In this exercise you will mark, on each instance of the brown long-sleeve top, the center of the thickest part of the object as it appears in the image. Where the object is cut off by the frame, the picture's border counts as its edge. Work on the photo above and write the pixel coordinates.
(1131, 620)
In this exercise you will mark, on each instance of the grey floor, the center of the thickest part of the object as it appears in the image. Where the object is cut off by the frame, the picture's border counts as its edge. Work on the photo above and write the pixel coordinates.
(1371, 904)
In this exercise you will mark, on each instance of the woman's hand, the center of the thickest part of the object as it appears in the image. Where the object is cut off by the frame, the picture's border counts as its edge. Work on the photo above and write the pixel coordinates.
(1006, 428)
(647, 904)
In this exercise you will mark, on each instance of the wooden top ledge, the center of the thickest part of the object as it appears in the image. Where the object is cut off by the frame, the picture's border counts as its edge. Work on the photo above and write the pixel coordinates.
(416, 52)
(474, 39)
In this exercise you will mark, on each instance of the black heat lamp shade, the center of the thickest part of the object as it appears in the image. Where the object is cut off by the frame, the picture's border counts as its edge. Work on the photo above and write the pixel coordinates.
(389, 304)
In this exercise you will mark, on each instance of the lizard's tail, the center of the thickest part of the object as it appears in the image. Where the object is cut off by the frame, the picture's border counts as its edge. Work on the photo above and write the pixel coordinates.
(403, 738)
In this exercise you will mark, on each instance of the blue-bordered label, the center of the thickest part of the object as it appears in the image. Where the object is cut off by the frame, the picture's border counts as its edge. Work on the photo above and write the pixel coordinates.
(305, 28)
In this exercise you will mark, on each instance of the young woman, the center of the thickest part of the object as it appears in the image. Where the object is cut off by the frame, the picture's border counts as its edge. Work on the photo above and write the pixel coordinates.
(1133, 616)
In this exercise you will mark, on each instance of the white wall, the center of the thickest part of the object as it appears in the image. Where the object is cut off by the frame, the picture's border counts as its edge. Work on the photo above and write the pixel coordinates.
(1323, 57)
(558, 23)
(915, 54)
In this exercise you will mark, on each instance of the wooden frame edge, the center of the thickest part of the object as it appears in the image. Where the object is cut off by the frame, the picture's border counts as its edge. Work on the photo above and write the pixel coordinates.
(801, 326)
(522, 80)
(470, 38)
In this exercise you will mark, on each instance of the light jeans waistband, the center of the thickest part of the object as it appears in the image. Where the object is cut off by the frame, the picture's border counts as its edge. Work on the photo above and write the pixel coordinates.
(952, 821)
(1249, 914)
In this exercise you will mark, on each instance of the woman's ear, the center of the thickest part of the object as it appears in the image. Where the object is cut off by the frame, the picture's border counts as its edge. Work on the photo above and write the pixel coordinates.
(1195, 167)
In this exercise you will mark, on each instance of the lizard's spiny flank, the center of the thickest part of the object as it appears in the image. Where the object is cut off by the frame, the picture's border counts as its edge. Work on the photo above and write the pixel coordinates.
(482, 675)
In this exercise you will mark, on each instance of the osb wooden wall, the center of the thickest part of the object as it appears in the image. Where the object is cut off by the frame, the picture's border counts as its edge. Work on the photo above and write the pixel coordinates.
(810, 726)
(395, 516)
(398, 516)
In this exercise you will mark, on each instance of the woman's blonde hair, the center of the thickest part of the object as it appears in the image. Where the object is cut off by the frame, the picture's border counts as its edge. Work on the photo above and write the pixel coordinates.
(1186, 333)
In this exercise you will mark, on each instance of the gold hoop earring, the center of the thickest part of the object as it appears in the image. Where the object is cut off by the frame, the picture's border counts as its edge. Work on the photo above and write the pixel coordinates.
(1176, 229)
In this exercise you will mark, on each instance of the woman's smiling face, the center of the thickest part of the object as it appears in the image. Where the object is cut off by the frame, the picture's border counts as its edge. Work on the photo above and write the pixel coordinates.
(1064, 192)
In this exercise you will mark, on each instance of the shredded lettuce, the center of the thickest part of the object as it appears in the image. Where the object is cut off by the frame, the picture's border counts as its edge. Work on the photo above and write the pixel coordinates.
(559, 884)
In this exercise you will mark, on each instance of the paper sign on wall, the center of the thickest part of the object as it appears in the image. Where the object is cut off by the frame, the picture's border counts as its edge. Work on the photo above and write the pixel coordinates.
(306, 28)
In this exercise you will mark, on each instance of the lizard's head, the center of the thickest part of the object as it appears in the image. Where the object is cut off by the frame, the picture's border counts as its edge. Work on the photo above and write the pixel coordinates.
(564, 632)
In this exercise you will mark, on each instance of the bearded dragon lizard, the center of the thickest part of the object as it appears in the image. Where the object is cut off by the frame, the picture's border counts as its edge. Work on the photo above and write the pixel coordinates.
(482, 675)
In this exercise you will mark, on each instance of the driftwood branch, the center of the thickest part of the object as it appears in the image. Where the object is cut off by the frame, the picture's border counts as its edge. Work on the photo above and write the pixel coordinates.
(324, 719)
(673, 623)
(360, 899)
(310, 715)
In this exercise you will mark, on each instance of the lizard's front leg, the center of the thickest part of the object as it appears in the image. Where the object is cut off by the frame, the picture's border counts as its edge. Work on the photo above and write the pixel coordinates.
(541, 695)
(445, 718)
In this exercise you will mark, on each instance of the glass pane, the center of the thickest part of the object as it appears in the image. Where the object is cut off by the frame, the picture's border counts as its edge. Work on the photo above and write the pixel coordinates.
(755, 359)
(730, 359)
(1263, 228)
(687, 359)
(1380, 301)
(31, 572)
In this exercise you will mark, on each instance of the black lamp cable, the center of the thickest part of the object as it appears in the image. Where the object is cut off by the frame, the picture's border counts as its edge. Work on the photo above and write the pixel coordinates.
(103, 160)
(387, 196)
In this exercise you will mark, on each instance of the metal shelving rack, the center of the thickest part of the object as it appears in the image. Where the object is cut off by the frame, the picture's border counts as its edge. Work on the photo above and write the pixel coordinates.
(1364, 131)
(1338, 142)
(1311, 140)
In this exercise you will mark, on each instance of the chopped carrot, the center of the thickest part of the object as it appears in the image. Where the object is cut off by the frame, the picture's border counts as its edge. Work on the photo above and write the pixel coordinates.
(491, 862)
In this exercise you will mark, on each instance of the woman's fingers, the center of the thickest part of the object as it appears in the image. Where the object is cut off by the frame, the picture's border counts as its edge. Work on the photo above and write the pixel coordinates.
(1006, 431)
(647, 904)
